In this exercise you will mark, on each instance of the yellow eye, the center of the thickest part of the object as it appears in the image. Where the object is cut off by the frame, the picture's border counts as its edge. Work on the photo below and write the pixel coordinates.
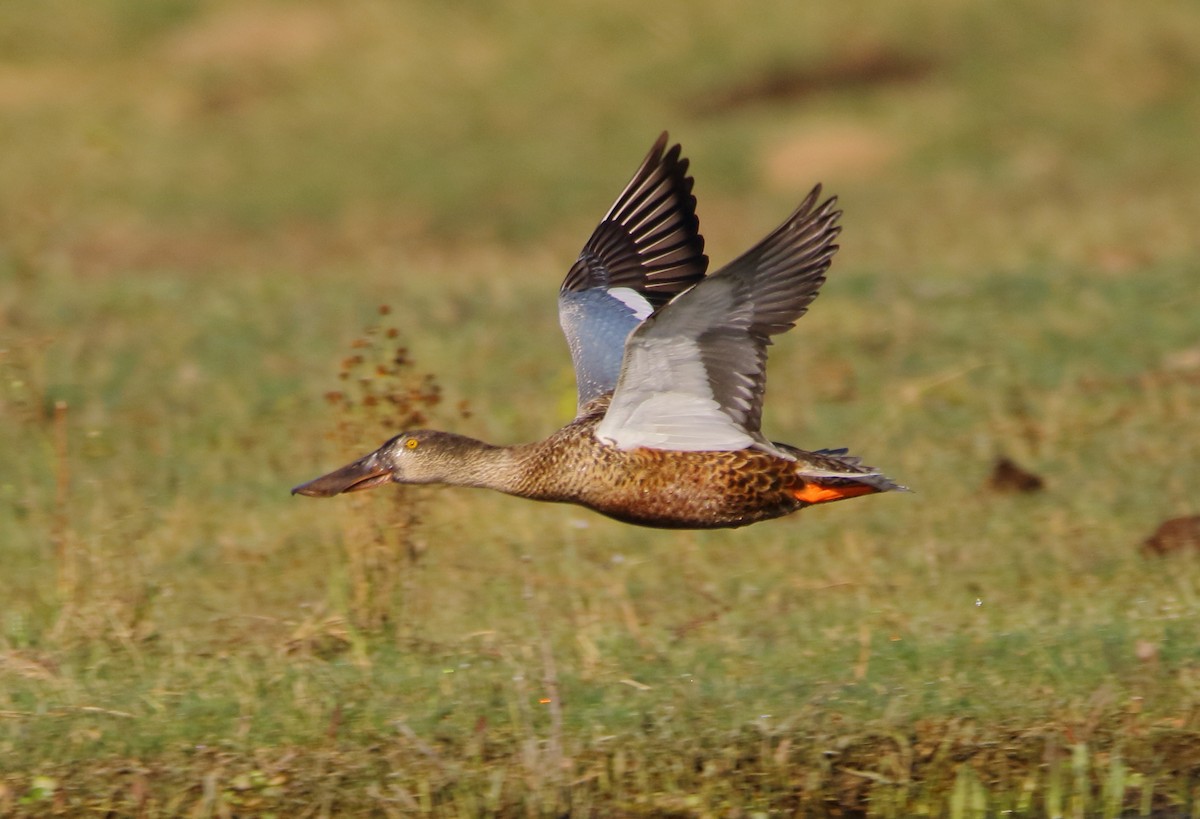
(411, 443)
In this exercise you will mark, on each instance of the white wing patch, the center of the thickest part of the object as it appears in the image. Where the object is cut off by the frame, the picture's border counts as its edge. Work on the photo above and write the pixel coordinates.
(632, 299)
(666, 403)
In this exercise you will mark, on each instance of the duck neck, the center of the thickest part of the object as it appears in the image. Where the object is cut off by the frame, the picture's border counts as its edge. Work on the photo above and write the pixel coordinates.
(485, 465)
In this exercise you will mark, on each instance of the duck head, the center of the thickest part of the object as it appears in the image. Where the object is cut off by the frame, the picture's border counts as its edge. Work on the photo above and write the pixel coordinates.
(424, 456)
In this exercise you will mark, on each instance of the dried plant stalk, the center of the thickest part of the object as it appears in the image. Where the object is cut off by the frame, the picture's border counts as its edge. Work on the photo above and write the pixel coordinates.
(66, 564)
(381, 395)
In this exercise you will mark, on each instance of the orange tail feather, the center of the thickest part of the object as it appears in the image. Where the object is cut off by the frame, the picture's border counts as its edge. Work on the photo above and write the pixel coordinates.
(814, 492)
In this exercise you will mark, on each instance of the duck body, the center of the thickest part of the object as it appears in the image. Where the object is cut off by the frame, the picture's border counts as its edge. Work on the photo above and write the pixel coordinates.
(674, 490)
(670, 364)
(643, 486)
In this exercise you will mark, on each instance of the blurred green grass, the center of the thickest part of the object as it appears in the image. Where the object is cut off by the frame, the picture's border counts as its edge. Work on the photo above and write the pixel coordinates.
(203, 204)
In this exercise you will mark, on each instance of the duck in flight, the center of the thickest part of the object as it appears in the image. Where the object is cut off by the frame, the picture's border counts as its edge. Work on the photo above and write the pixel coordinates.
(670, 365)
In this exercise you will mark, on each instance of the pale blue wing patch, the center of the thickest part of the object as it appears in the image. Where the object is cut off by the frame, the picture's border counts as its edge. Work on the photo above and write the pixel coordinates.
(596, 324)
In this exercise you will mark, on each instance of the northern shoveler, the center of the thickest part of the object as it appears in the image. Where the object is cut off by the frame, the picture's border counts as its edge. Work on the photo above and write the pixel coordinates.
(670, 366)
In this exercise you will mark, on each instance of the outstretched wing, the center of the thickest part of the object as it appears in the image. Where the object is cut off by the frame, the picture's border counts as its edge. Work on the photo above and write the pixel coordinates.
(694, 372)
(646, 250)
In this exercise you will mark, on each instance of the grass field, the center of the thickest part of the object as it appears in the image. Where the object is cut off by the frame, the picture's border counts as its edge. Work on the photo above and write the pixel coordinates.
(203, 206)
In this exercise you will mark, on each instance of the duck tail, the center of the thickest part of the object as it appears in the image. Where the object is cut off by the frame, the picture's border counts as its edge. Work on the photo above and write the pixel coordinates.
(831, 475)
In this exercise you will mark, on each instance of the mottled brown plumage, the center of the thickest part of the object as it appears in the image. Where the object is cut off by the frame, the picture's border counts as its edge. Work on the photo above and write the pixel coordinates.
(671, 368)
(661, 488)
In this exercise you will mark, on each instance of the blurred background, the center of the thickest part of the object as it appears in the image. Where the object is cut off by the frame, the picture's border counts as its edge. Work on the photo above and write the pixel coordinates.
(204, 204)
(181, 135)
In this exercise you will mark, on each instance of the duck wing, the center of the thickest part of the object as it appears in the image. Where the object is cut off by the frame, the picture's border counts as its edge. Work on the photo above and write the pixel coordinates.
(694, 372)
(646, 250)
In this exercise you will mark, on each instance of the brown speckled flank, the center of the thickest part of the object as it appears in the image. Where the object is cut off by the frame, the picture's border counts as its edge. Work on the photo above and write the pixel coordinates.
(668, 489)
(670, 363)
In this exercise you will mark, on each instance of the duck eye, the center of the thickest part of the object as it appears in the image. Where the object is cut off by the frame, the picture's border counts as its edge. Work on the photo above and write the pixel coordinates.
(411, 443)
